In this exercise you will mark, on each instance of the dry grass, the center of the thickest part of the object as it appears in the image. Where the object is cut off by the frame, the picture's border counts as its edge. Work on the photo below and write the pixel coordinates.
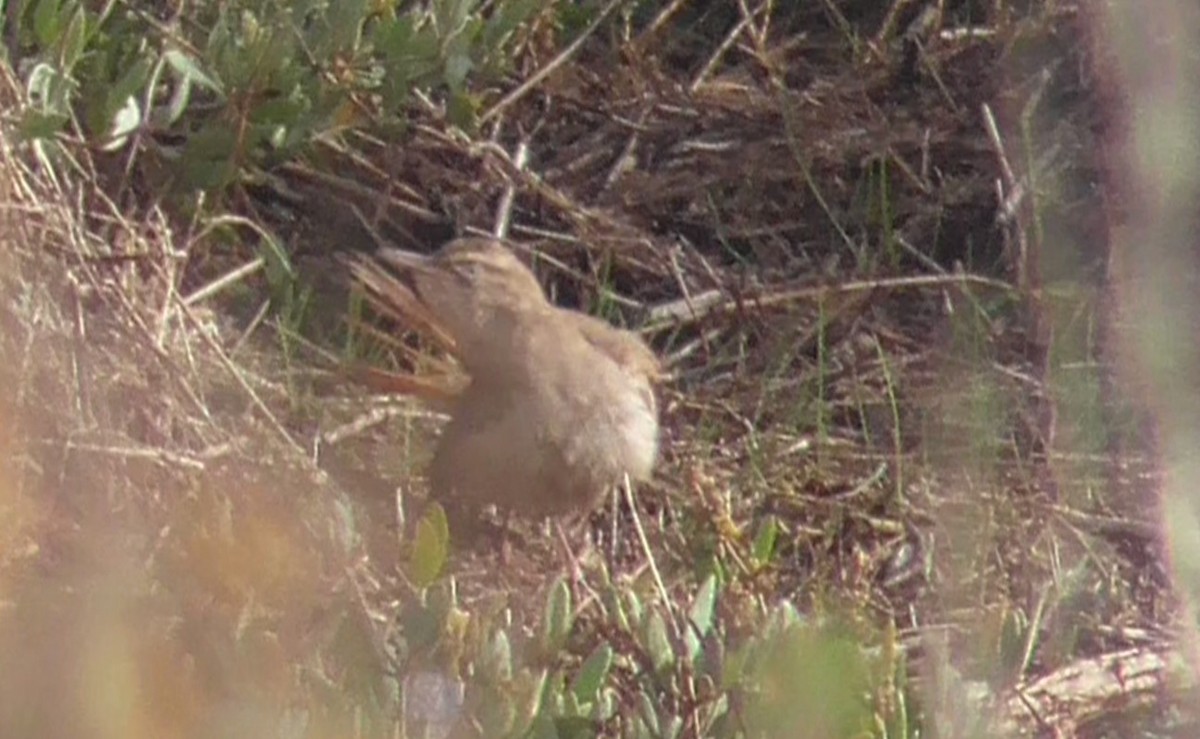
(915, 399)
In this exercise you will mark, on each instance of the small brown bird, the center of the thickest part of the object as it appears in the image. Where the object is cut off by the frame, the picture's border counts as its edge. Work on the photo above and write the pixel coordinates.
(559, 405)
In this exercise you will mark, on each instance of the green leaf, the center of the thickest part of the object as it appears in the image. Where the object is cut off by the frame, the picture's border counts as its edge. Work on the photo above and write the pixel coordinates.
(568, 704)
(47, 21)
(605, 706)
(635, 609)
(207, 160)
(450, 15)
(280, 110)
(176, 106)
(658, 643)
(673, 727)
(280, 274)
(700, 617)
(458, 66)
(614, 609)
(495, 665)
(462, 110)
(526, 693)
(126, 120)
(411, 56)
(701, 614)
(49, 89)
(763, 547)
(189, 69)
(431, 546)
(496, 711)
(73, 39)
(648, 712)
(592, 674)
(557, 621)
(131, 82)
(640, 729)
(37, 125)
(345, 18)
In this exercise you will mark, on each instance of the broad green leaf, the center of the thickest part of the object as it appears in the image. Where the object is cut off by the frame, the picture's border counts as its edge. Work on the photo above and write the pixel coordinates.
(124, 122)
(462, 110)
(648, 712)
(496, 712)
(527, 692)
(658, 643)
(458, 66)
(207, 160)
(702, 608)
(634, 608)
(496, 662)
(642, 730)
(47, 21)
(431, 546)
(73, 40)
(605, 706)
(280, 274)
(36, 125)
(673, 727)
(280, 110)
(209, 174)
(700, 616)
(763, 548)
(395, 38)
(411, 56)
(176, 106)
(189, 69)
(345, 19)
(592, 674)
(450, 15)
(49, 89)
(556, 622)
(569, 705)
(615, 609)
(131, 82)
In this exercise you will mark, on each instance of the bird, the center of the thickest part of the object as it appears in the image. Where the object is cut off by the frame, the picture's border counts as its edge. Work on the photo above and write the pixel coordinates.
(558, 405)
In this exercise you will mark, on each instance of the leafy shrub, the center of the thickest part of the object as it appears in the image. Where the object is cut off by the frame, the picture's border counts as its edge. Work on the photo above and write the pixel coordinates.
(239, 83)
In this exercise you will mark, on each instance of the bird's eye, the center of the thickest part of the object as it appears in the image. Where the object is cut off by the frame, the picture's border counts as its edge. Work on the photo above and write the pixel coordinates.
(467, 271)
